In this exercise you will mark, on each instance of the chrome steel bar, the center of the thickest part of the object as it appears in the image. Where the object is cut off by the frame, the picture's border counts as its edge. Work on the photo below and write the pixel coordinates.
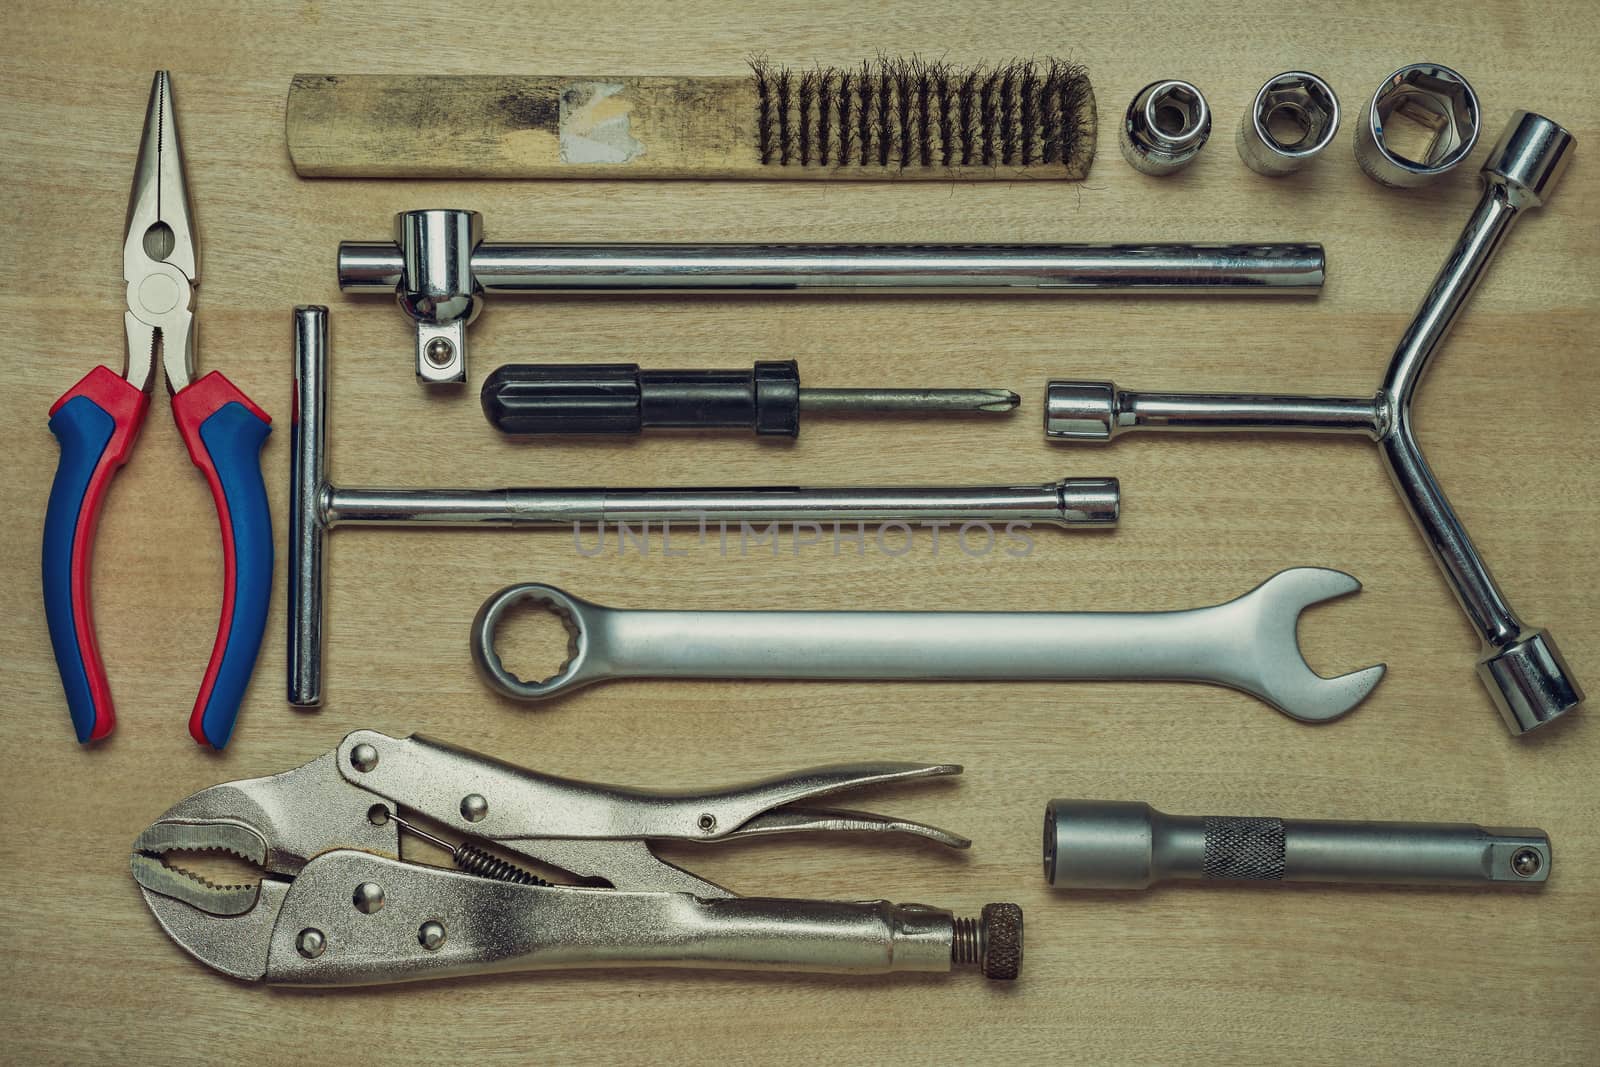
(307, 478)
(1520, 666)
(1267, 269)
(1099, 411)
(438, 269)
(1071, 502)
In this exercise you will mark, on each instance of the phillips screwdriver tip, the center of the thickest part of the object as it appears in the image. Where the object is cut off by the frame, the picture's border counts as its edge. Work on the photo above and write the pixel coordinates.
(997, 400)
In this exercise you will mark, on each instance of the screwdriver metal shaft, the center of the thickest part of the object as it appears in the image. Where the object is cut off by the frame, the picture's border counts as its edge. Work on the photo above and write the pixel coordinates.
(895, 401)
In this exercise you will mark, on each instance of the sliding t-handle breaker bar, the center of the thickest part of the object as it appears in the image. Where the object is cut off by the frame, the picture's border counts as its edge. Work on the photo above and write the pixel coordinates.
(316, 505)
(439, 268)
(1520, 665)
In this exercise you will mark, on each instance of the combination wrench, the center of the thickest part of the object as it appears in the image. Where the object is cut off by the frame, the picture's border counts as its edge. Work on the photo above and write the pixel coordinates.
(1248, 644)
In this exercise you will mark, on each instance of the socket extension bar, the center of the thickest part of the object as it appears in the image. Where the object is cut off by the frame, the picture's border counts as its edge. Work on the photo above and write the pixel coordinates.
(1119, 844)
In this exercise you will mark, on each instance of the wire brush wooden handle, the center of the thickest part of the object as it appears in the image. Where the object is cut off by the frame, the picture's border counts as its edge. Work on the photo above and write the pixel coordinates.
(885, 120)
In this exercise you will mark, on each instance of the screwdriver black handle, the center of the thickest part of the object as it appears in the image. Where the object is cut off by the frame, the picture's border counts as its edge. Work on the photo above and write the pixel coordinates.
(528, 399)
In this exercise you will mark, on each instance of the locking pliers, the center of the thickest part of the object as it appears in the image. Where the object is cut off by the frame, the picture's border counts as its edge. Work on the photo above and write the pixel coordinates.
(338, 905)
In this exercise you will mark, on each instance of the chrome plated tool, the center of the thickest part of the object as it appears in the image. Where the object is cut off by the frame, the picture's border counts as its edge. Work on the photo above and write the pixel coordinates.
(340, 904)
(528, 399)
(1520, 664)
(1166, 125)
(316, 505)
(1247, 644)
(98, 420)
(1433, 97)
(1115, 844)
(439, 268)
(1291, 120)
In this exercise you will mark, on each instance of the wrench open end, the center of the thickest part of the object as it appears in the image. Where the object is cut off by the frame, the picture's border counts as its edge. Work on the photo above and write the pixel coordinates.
(1278, 672)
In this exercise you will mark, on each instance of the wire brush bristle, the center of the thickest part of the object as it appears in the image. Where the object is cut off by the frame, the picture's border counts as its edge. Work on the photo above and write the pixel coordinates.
(917, 113)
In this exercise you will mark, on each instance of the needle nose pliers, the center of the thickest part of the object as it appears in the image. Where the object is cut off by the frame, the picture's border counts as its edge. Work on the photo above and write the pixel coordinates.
(97, 421)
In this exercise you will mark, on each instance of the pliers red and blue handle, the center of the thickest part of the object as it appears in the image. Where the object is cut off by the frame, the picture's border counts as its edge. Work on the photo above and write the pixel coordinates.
(97, 422)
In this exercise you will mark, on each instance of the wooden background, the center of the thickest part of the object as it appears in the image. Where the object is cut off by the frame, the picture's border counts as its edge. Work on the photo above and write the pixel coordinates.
(1184, 974)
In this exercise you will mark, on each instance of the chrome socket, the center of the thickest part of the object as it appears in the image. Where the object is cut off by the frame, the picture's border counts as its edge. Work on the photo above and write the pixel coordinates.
(1433, 96)
(1166, 126)
(1292, 119)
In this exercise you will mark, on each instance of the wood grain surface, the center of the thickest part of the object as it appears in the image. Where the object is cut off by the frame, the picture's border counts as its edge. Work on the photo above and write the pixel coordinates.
(1178, 975)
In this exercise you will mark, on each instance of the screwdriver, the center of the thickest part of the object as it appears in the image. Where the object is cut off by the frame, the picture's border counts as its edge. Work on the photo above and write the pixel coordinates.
(526, 399)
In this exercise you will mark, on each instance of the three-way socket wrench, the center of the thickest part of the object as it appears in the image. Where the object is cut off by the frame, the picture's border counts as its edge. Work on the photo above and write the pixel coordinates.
(1520, 665)
(1248, 644)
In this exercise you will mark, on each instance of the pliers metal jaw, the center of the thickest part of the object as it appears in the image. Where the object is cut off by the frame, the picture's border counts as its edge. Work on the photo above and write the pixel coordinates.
(160, 252)
(338, 904)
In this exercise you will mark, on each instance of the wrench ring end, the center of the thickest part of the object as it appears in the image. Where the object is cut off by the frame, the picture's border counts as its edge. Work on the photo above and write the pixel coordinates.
(487, 623)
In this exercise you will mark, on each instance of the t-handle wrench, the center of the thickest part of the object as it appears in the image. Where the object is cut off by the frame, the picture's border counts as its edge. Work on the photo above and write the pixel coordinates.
(1520, 664)
(1246, 644)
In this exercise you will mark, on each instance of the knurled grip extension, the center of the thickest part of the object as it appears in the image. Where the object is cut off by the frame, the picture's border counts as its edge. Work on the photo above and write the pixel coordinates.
(1243, 849)
(1114, 844)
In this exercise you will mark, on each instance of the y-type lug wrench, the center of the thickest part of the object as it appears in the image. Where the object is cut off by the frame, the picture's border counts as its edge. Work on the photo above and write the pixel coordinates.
(1246, 644)
(1520, 665)
(317, 505)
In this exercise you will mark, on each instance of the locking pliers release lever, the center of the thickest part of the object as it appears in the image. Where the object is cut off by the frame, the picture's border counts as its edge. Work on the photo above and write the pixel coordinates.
(338, 905)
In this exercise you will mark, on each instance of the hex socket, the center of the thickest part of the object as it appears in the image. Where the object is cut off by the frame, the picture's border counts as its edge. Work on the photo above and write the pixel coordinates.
(1293, 117)
(1167, 124)
(1431, 95)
